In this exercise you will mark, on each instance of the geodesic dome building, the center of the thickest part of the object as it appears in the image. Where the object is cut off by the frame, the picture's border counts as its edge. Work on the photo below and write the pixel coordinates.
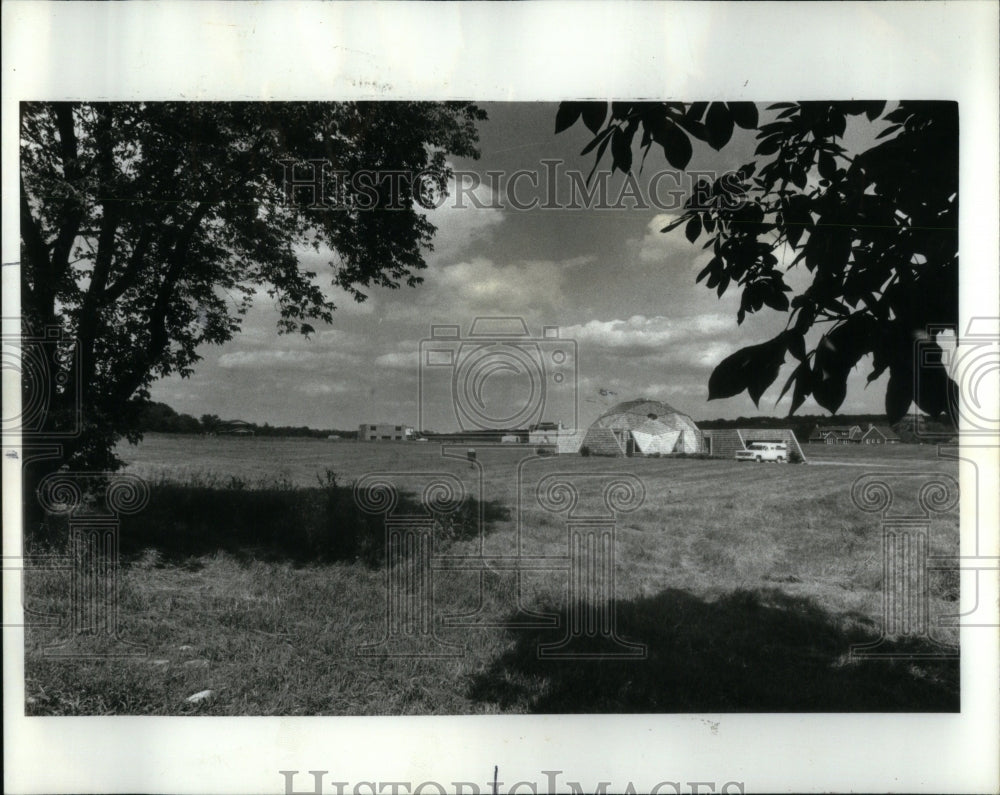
(642, 427)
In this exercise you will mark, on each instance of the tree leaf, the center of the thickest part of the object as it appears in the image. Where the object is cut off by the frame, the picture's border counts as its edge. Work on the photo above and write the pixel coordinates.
(693, 228)
(712, 264)
(898, 394)
(874, 109)
(696, 110)
(800, 372)
(775, 298)
(769, 145)
(744, 114)
(621, 150)
(675, 223)
(676, 146)
(935, 392)
(796, 342)
(753, 369)
(598, 139)
(594, 114)
(567, 115)
(829, 378)
(719, 124)
(827, 165)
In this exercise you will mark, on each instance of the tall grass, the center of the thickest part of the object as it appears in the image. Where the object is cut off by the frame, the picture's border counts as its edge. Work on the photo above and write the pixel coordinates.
(273, 519)
(747, 584)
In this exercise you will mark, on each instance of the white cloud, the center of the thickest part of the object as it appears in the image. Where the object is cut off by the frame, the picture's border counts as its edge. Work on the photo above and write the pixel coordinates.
(466, 217)
(657, 247)
(641, 332)
(288, 359)
(318, 389)
(399, 360)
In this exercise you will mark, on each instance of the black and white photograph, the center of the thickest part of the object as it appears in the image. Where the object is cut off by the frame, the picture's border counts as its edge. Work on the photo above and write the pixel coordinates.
(243, 353)
(384, 405)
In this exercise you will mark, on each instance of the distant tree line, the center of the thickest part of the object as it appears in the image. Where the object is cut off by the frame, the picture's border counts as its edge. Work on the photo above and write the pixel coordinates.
(152, 417)
(803, 425)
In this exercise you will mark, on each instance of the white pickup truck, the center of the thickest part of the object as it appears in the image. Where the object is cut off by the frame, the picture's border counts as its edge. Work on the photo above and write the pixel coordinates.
(764, 451)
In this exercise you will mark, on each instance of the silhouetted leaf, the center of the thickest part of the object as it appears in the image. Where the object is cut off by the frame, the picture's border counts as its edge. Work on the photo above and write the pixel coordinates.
(719, 124)
(696, 110)
(674, 224)
(676, 147)
(898, 394)
(744, 114)
(600, 153)
(769, 145)
(598, 139)
(693, 228)
(621, 150)
(935, 392)
(776, 299)
(594, 114)
(567, 115)
(712, 264)
(796, 343)
(753, 369)
(874, 109)
(799, 374)
(827, 165)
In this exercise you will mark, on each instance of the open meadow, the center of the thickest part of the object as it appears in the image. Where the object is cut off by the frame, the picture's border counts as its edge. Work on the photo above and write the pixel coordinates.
(253, 574)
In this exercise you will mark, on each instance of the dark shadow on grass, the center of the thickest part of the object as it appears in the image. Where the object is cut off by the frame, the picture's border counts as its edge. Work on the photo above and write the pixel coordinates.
(279, 523)
(749, 651)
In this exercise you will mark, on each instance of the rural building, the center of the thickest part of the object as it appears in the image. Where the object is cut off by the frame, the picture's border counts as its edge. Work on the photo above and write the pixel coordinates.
(726, 442)
(879, 434)
(836, 434)
(642, 427)
(556, 437)
(235, 428)
(853, 434)
(383, 432)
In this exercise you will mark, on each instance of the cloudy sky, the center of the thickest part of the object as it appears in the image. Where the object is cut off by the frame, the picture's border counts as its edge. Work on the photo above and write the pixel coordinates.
(623, 292)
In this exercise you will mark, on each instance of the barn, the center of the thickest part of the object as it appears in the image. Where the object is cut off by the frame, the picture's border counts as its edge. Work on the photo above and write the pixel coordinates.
(642, 427)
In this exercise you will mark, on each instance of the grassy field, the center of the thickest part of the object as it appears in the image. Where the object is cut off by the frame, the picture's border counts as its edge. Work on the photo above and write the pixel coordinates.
(252, 574)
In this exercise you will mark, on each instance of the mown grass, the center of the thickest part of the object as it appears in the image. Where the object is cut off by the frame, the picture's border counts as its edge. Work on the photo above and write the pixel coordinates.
(747, 584)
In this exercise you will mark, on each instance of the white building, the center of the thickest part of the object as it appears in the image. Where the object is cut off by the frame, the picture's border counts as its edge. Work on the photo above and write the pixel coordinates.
(384, 432)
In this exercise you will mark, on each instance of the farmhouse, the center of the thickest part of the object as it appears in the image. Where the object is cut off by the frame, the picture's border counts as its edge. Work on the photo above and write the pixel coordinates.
(836, 434)
(642, 427)
(853, 434)
(383, 432)
(879, 434)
